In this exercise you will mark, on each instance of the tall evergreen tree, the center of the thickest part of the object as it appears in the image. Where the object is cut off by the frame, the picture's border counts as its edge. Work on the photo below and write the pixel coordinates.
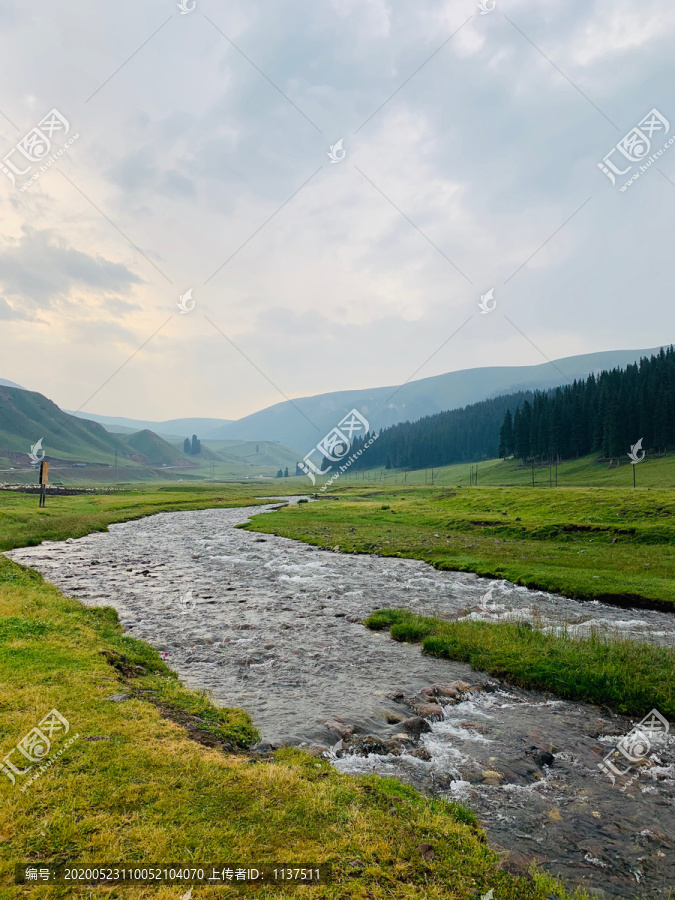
(506, 436)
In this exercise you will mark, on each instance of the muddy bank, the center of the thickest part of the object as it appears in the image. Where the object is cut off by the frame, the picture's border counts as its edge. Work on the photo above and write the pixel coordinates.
(273, 626)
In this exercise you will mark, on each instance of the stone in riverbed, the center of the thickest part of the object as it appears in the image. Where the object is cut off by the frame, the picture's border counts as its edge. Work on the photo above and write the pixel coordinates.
(447, 690)
(540, 757)
(416, 725)
(421, 753)
(430, 711)
(371, 744)
(340, 728)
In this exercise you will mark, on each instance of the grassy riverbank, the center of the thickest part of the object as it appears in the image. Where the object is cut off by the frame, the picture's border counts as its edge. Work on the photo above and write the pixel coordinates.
(628, 677)
(612, 545)
(160, 775)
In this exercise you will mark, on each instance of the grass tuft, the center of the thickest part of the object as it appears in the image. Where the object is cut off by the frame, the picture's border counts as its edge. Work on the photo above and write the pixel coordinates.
(626, 676)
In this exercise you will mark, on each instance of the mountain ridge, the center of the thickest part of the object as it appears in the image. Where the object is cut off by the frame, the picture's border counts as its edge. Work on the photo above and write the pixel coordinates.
(285, 421)
(300, 423)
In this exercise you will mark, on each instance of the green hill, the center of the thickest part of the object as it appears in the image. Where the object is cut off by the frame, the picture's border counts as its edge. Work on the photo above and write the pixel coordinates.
(77, 449)
(258, 454)
(26, 417)
(146, 445)
(83, 452)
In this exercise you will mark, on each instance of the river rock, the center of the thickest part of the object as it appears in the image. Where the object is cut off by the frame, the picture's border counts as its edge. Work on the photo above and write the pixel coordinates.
(541, 757)
(429, 711)
(447, 690)
(370, 744)
(340, 728)
(416, 725)
(420, 753)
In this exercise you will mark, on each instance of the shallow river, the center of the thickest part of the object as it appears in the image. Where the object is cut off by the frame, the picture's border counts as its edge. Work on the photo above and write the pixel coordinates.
(273, 625)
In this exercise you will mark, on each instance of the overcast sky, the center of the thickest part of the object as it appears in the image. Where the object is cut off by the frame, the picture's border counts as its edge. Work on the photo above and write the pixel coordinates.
(472, 144)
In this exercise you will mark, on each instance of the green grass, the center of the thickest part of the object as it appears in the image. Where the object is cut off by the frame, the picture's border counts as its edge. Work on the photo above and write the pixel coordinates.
(626, 676)
(613, 545)
(587, 471)
(161, 783)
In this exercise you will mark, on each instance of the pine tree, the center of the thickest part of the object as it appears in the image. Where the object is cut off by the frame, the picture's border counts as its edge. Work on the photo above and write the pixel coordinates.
(186, 445)
(286, 472)
(506, 436)
(280, 473)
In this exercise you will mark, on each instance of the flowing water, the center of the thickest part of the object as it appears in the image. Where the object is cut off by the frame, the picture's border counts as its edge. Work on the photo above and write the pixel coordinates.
(273, 625)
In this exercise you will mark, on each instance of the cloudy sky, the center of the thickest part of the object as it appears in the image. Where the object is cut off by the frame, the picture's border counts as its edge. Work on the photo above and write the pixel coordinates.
(199, 159)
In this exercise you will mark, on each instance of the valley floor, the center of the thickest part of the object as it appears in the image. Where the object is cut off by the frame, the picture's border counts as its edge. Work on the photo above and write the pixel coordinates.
(156, 774)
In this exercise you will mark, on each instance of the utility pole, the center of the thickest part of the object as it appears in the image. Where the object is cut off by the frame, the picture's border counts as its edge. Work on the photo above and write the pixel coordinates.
(633, 464)
(476, 474)
(532, 474)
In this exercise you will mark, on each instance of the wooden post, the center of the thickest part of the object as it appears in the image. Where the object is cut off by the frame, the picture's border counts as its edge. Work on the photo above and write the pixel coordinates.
(633, 474)
(44, 478)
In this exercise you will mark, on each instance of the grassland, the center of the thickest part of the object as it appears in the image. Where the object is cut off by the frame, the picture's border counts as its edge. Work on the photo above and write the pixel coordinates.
(587, 471)
(616, 546)
(158, 777)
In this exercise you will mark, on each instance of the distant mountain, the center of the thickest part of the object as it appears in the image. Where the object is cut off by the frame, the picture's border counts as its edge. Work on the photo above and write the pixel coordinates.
(12, 384)
(288, 423)
(172, 428)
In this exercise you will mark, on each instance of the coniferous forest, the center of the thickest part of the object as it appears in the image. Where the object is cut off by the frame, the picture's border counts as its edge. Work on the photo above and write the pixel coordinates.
(604, 414)
(457, 435)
